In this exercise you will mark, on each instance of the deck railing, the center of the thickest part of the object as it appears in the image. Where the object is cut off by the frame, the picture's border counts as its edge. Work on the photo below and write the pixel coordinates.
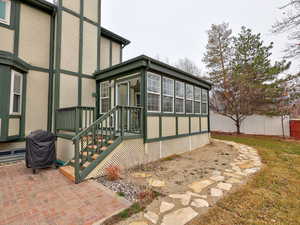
(74, 119)
(103, 136)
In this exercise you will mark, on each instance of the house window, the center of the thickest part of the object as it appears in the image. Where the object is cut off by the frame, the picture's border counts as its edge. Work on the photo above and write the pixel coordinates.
(179, 100)
(168, 95)
(204, 106)
(189, 95)
(5, 11)
(153, 92)
(104, 97)
(16, 93)
(197, 100)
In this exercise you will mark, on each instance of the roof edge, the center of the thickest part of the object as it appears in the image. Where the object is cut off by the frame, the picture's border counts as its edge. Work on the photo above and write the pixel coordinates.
(148, 61)
(109, 34)
(41, 4)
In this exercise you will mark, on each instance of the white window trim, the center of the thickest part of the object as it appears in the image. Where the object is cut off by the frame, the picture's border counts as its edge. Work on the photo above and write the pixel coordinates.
(155, 93)
(190, 99)
(106, 82)
(11, 107)
(205, 101)
(199, 101)
(7, 13)
(179, 97)
(166, 95)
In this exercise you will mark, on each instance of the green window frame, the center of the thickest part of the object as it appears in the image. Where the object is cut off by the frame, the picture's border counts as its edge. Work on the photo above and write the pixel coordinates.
(5, 6)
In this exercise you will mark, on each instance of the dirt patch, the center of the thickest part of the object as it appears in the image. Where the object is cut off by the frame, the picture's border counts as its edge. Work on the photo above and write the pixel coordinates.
(178, 171)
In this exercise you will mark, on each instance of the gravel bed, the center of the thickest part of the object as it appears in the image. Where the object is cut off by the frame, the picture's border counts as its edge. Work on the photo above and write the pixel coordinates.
(122, 188)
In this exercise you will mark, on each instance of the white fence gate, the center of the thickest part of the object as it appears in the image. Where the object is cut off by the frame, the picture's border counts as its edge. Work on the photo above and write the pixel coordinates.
(256, 124)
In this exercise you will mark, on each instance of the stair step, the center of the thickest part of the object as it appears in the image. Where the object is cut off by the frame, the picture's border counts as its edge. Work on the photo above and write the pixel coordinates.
(92, 147)
(68, 171)
(95, 156)
(86, 164)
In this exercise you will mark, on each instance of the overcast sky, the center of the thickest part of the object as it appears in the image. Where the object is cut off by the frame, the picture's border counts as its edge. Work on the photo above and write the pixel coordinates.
(176, 29)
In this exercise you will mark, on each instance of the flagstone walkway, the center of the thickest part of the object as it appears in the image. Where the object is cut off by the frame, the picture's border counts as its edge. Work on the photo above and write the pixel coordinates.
(48, 198)
(200, 195)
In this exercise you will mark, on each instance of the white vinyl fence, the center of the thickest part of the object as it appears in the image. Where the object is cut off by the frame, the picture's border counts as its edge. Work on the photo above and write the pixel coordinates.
(256, 124)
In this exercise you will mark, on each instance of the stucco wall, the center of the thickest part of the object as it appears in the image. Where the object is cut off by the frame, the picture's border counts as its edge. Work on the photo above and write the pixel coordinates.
(153, 127)
(64, 149)
(168, 126)
(74, 5)
(104, 53)
(36, 101)
(70, 42)
(88, 88)
(195, 124)
(14, 127)
(116, 53)
(91, 9)
(7, 39)
(89, 59)
(183, 125)
(34, 41)
(204, 124)
(68, 90)
(256, 124)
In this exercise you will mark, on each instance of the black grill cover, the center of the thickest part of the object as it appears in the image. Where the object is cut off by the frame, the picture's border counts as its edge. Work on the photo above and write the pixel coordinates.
(40, 149)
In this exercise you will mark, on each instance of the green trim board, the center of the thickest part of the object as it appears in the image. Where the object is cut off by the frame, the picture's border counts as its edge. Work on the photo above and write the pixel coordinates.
(10, 59)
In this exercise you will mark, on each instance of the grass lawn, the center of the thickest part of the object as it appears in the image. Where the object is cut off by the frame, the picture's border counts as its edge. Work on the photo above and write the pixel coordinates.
(272, 196)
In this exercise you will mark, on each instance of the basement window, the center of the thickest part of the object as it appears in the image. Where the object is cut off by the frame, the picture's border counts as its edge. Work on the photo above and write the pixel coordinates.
(5, 6)
(16, 93)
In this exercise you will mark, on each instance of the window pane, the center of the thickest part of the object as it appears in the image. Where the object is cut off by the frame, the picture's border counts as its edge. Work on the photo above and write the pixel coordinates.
(189, 92)
(204, 108)
(189, 106)
(197, 107)
(197, 94)
(179, 105)
(153, 102)
(179, 89)
(17, 84)
(2, 10)
(104, 90)
(168, 104)
(153, 83)
(16, 104)
(168, 87)
(104, 105)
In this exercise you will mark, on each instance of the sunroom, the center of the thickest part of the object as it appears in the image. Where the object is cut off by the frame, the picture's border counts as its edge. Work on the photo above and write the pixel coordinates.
(173, 103)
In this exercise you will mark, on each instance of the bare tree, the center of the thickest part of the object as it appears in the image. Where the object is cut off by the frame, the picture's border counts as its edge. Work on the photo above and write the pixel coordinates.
(189, 66)
(290, 23)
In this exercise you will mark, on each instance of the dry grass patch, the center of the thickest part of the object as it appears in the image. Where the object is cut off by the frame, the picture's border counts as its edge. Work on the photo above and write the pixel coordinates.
(271, 197)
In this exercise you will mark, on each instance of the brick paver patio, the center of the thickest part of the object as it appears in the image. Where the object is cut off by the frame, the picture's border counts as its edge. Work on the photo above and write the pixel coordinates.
(49, 198)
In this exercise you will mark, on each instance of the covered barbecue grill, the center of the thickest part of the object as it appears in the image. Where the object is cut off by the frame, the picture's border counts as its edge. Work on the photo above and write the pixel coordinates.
(40, 150)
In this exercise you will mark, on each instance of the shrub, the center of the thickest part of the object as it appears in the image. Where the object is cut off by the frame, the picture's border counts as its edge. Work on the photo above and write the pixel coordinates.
(113, 173)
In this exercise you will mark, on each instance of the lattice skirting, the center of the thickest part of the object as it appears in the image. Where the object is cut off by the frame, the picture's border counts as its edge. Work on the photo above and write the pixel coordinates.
(134, 152)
